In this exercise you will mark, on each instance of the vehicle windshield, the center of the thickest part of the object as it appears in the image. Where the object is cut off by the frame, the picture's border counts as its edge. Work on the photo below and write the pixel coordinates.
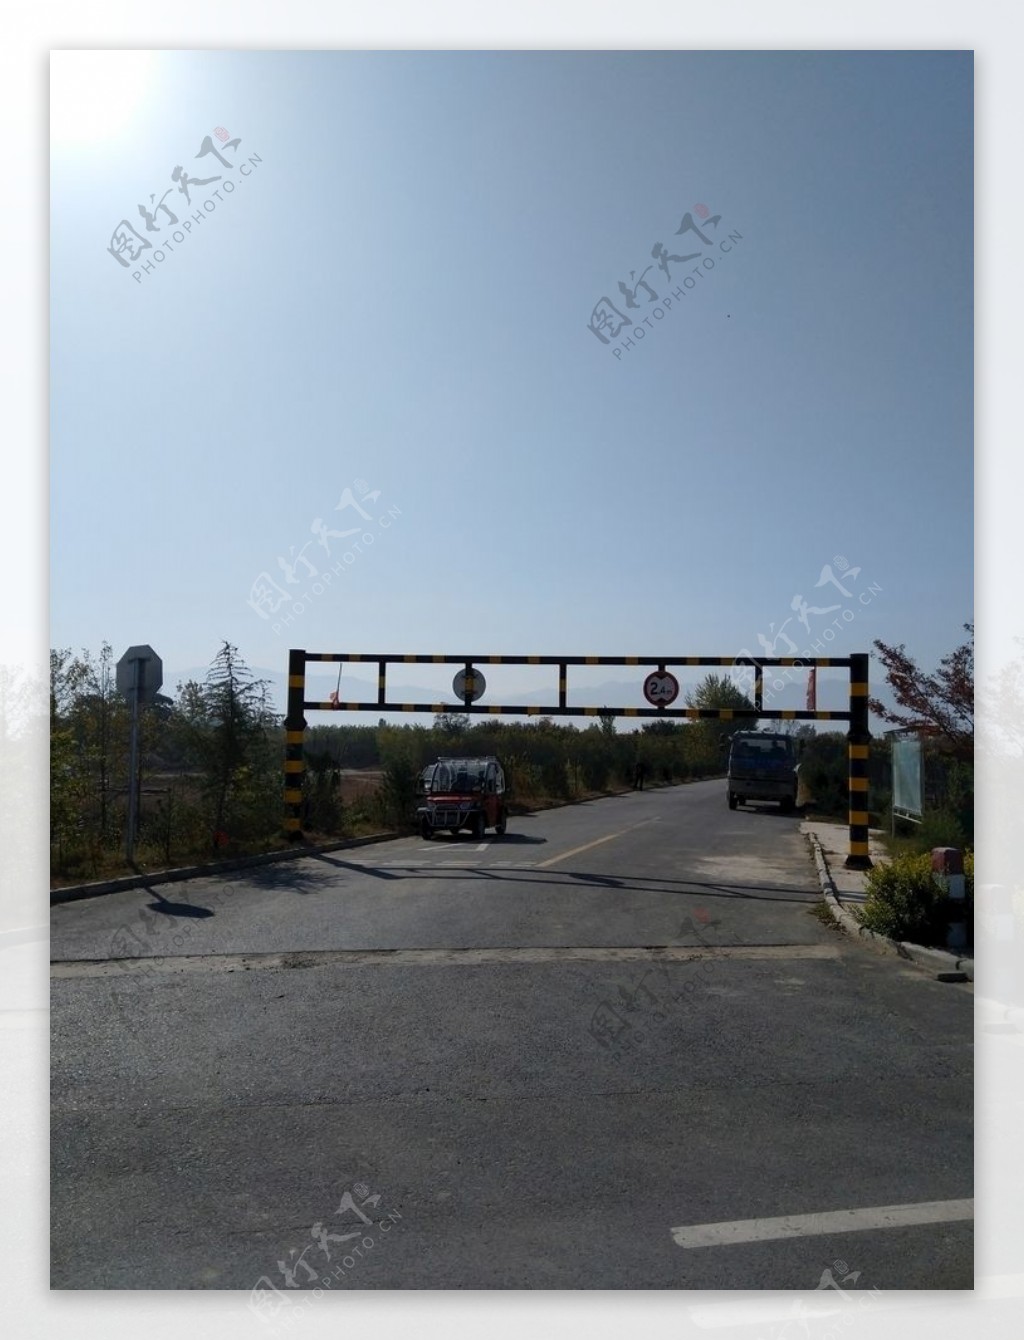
(766, 748)
(457, 774)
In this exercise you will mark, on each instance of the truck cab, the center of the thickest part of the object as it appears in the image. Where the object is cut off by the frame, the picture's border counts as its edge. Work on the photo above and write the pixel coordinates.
(762, 767)
(457, 793)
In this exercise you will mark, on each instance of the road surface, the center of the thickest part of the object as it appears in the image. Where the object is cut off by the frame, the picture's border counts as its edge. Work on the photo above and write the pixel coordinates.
(613, 1049)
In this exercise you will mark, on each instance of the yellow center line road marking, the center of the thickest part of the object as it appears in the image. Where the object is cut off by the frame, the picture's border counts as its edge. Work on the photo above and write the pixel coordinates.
(553, 860)
(814, 1225)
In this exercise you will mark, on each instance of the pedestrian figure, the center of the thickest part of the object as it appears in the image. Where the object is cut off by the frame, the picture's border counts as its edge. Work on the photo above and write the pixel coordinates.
(638, 777)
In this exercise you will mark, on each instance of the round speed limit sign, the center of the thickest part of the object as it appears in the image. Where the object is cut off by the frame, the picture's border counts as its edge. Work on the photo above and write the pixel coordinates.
(661, 688)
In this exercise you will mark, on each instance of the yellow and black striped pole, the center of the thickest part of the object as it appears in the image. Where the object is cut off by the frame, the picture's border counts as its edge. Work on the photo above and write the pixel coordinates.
(859, 742)
(294, 736)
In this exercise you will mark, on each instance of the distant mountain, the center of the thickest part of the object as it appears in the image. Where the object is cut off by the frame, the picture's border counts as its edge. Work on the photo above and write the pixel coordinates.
(321, 680)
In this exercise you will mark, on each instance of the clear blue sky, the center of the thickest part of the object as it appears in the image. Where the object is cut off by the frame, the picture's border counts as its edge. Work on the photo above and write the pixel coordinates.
(399, 294)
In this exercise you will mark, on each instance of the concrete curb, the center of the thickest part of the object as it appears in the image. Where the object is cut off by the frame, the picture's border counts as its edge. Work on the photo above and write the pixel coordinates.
(945, 966)
(77, 891)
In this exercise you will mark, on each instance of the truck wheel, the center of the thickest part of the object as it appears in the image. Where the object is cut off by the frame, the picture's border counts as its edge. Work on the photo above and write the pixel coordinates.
(500, 826)
(426, 830)
(478, 826)
(788, 805)
(732, 801)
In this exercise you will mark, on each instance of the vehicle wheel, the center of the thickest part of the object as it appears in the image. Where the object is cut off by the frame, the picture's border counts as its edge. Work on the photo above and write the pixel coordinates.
(732, 801)
(500, 826)
(478, 826)
(426, 830)
(788, 805)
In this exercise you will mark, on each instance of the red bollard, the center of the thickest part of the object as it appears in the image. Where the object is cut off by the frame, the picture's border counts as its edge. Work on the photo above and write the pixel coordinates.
(948, 870)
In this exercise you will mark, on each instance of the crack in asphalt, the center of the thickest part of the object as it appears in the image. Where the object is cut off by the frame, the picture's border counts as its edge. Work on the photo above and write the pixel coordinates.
(285, 960)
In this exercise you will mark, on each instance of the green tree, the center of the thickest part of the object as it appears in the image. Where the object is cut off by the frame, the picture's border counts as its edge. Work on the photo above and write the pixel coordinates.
(102, 718)
(230, 728)
(607, 718)
(323, 791)
(719, 691)
(68, 788)
(452, 723)
(398, 785)
(661, 727)
(89, 723)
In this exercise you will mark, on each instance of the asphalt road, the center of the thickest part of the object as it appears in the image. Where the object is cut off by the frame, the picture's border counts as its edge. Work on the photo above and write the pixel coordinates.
(544, 1061)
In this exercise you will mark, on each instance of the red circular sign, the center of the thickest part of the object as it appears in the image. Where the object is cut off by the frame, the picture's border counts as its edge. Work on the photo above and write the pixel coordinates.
(661, 688)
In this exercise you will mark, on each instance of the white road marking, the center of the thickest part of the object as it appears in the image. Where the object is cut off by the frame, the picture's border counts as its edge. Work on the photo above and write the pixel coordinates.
(812, 1225)
(421, 863)
(483, 846)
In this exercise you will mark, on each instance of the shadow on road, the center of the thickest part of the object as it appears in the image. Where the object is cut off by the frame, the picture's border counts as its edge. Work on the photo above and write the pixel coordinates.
(779, 893)
(371, 870)
(289, 878)
(169, 909)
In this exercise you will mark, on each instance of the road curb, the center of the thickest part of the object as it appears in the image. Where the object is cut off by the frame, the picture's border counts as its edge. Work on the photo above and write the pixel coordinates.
(76, 891)
(941, 963)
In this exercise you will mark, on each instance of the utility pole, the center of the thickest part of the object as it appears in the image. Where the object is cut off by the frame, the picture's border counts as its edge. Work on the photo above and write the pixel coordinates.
(133, 769)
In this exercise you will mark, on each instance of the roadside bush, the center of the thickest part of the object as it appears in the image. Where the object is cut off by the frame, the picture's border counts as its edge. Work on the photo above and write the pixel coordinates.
(324, 812)
(364, 814)
(905, 902)
(554, 780)
(523, 779)
(881, 807)
(397, 794)
(176, 828)
(940, 828)
(969, 894)
(594, 771)
(823, 773)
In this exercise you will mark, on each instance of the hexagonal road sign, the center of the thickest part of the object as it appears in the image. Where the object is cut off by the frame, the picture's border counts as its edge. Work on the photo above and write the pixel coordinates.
(150, 671)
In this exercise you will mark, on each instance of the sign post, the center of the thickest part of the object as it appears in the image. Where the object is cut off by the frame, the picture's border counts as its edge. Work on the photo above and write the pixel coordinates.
(469, 685)
(140, 673)
(133, 769)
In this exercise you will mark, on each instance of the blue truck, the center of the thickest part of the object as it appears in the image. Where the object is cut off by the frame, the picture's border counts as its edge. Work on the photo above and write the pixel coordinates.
(762, 767)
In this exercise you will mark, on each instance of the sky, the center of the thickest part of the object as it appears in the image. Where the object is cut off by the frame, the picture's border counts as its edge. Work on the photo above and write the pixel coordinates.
(384, 327)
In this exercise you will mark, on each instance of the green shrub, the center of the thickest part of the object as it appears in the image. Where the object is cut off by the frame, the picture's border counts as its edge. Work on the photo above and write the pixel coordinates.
(397, 793)
(594, 771)
(324, 810)
(905, 902)
(554, 780)
(364, 814)
(940, 828)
